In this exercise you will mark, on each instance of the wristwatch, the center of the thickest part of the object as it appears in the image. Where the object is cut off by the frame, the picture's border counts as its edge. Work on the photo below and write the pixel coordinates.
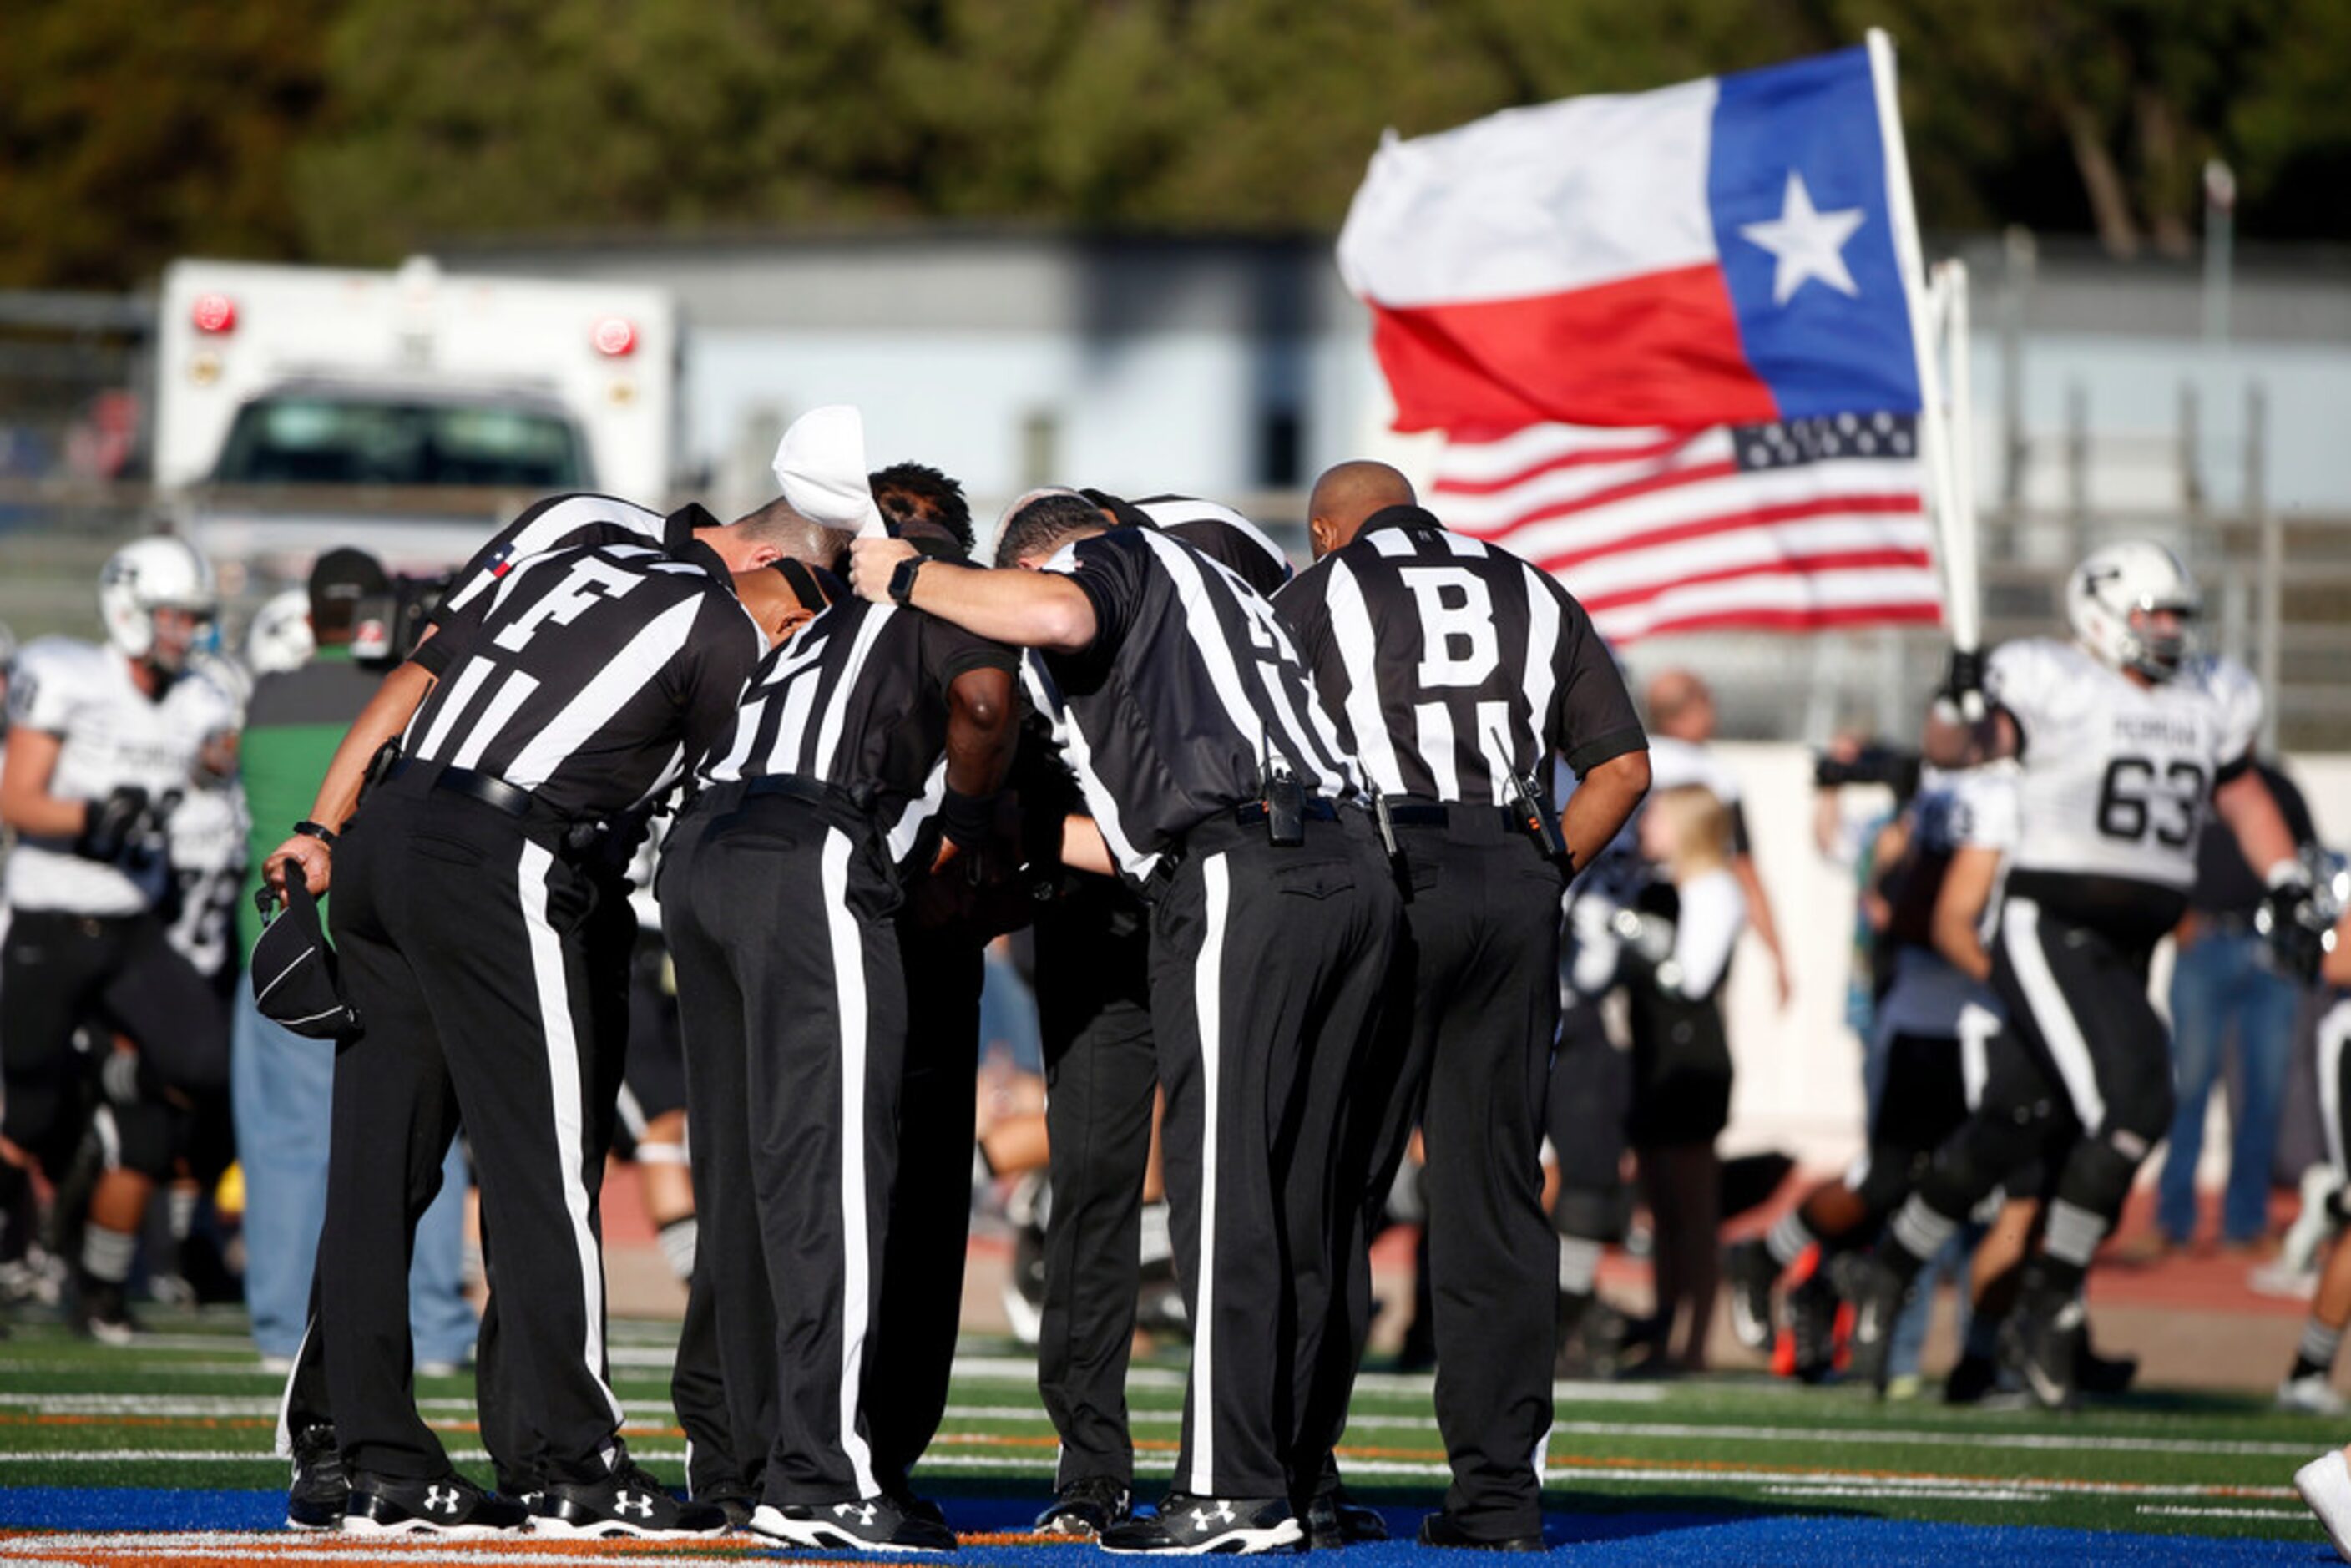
(317, 830)
(902, 580)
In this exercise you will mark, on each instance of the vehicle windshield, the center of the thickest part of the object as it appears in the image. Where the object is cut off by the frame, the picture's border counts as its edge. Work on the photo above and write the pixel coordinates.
(312, 438)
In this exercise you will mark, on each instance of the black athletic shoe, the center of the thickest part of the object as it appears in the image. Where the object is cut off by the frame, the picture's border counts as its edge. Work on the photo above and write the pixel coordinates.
(449, 1507)
(1750, 1272)
(1086, 1508)
(1812, 1311)
(1190, 1526)
(871, 1524)
(2103, 1374)
(1441, 1530)
(916, 1506)
(2040, 1344)
(1972, 1380)
(1877, 1294)
(101, 1312)
(316, 1498)
(627, 1503)
(1336, 1520)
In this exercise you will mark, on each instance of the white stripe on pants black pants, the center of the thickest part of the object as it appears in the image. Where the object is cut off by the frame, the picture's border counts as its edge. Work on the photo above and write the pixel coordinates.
(1267, 966)
(1094, 1010)
(461, 946)
(929, 1230)
(729, 1293)
(1477, 974)
(781, 916)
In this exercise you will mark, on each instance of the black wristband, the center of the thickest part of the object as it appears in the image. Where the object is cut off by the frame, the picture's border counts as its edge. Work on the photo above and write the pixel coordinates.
(966, 819)
(317, 830)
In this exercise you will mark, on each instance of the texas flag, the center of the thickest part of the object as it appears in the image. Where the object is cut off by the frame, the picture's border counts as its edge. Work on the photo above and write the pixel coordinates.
(1729, 251)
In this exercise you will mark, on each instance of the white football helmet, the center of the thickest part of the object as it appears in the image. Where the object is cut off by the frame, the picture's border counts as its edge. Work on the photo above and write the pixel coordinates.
(279, 638)
(146, 575)
(2136, 578)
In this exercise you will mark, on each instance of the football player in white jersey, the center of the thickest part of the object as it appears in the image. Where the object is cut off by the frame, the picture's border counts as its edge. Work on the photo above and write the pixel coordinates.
(2125, 742)
(100, 739)
(1931, 1025)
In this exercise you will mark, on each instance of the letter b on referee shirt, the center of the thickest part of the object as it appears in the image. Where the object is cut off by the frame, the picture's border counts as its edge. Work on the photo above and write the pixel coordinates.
(1458, 644)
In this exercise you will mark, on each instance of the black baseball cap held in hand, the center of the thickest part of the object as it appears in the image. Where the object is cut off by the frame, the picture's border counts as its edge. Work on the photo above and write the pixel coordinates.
(293, 969)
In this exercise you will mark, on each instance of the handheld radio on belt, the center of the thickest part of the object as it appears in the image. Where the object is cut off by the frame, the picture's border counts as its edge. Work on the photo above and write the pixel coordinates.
(1526, 800)
(1285, 801)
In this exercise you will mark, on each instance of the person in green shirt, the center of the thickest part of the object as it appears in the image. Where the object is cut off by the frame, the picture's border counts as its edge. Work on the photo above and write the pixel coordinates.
(283, 1082)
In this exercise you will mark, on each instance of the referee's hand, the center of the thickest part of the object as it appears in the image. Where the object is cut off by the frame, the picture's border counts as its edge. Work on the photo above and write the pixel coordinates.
(871, 562)
(317, 860)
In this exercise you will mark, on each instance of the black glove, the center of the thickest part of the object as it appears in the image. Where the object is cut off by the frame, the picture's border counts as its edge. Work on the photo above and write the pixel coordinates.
(111, 823)
(1963, 675)
(2291, 923)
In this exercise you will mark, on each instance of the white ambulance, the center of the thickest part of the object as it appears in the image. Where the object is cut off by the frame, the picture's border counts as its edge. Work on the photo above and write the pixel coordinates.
(407, 412)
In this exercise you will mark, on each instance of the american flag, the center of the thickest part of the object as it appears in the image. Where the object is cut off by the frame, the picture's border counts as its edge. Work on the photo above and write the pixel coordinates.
(1789, 526)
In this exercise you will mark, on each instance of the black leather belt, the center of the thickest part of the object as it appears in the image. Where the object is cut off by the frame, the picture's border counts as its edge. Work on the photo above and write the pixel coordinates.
(494, 794)
(798, 789)
(1408, 811)
(491, 791)
(1249, 813)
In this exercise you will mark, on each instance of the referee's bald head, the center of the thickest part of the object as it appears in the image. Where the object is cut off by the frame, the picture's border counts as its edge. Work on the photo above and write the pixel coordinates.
(1346, 496)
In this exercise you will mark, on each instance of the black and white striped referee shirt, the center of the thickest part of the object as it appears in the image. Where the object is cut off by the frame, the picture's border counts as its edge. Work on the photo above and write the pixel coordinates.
(1189, 689)
(590, 676)
(1216, 531)
(558, 522)
(858, 698)
(1451, 666)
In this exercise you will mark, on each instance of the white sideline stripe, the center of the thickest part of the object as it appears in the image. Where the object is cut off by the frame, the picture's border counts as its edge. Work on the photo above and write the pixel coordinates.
(563, 1080)
(1804, 1491)
(2176, 1511)
(1207, 988)
(639, 1412)
(848, 945)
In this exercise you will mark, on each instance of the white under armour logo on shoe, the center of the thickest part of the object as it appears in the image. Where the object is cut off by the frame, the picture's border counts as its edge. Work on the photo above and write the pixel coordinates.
(634, 1502)
(864, 1511)
(1202, 1518)
(442, 1499)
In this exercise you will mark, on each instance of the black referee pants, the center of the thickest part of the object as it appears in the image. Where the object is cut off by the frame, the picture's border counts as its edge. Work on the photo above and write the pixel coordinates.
(1093, 1008)
(727, 1303)
(463, 942)
(1479, 968)
(1267, 969)
(929, 1228)
(781, 924)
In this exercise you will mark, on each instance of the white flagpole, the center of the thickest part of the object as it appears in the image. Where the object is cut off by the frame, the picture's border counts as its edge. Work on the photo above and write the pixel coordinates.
(1959, 611)
(1961, 537)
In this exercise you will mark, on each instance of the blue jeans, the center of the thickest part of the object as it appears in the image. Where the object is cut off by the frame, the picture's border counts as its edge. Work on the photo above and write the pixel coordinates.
(2219, 981)
(282, 1083)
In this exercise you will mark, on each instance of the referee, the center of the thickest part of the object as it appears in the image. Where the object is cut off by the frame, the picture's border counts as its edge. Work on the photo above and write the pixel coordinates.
(1455, 672)
(1093, 1008)
(462, 919)
(871, 743)
(1220, 789)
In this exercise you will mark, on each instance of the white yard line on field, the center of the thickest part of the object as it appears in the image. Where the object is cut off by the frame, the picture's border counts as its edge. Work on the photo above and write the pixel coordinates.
(1803, 1492)
(2174, 1511)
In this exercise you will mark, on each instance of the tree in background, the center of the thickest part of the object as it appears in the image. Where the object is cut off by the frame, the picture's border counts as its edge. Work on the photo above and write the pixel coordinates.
(133, 133)
(360, 130)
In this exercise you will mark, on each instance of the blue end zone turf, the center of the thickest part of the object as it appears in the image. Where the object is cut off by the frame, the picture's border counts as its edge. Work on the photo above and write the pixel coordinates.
(1598, 1540)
